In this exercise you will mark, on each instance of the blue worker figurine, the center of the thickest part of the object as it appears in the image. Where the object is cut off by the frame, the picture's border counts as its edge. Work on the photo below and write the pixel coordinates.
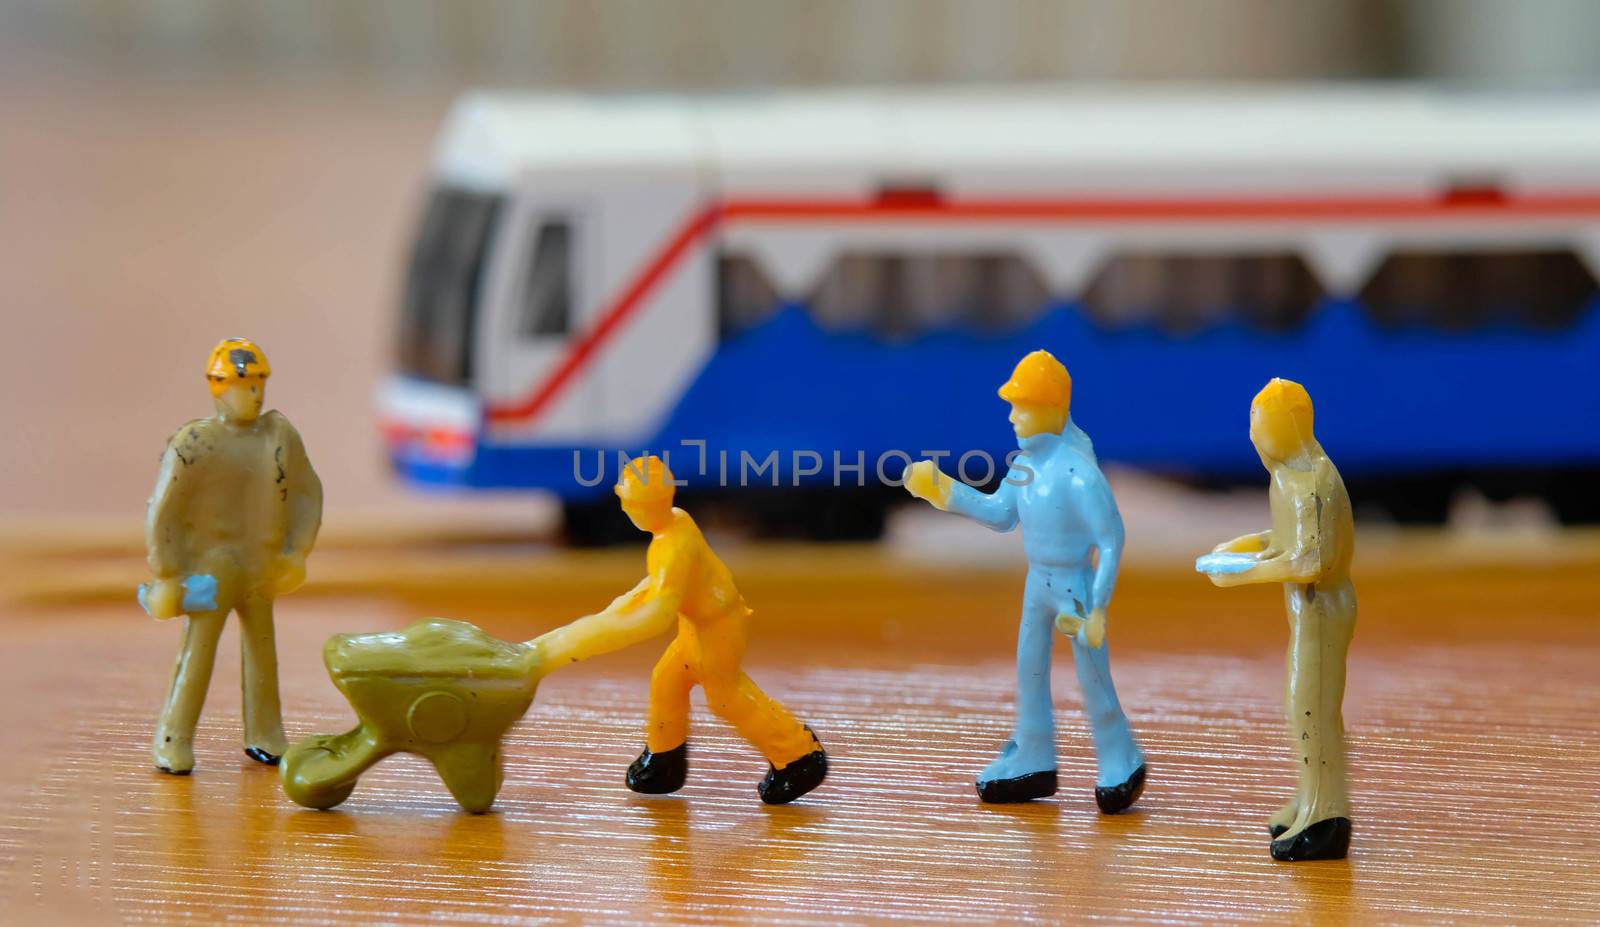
(1072, 534)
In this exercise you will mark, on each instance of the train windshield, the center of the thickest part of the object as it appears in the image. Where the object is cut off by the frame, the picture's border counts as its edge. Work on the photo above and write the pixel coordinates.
(439, 309)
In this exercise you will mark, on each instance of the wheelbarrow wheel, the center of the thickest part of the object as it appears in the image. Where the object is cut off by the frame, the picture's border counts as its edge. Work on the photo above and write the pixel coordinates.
(317, 777)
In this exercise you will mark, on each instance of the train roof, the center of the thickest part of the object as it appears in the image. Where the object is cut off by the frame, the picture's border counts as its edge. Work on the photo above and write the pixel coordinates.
(994, 138)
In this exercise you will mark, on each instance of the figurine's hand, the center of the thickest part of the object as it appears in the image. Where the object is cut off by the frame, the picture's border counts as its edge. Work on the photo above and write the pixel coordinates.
(1224, 580)
(1090, 631)
(924, 481)
(1095, 634)
(1227, 568)
(1253, 543)
(630, 598)
(291, 574)
(163, 598)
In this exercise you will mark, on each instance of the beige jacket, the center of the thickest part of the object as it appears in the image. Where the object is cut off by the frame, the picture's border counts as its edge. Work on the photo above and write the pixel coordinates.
(233, 501)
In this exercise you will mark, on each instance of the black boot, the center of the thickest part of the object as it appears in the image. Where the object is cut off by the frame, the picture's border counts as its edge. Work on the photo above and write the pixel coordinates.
(1277, 830)
(261, 756)
(1119, 798)
(1018, 788)
(1329, 838)
(659, 773)
(781, 786)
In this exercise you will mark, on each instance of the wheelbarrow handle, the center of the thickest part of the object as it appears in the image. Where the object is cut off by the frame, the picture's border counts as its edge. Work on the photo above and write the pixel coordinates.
(628, 621)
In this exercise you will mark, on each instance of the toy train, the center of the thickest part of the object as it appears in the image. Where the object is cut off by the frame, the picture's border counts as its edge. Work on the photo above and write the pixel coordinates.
(795, 276)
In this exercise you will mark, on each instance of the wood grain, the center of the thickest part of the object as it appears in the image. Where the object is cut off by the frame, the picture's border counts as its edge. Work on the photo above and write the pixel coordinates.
(1471, 715)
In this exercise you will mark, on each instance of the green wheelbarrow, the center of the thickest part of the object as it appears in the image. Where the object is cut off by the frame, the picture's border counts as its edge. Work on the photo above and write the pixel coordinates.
(441, 689)
(448, 692)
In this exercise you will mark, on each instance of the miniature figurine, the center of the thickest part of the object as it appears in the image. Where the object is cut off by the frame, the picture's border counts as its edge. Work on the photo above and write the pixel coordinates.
(1308, 549)
(441, 689)
(1072, 534)
(689, 586)
(235, 512)
(449, 692)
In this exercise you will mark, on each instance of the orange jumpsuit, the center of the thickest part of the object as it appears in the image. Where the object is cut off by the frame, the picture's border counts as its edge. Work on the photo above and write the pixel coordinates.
(713, 628)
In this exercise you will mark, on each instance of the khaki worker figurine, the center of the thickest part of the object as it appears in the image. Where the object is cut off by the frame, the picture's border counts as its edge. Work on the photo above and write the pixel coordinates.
(1308, 550)
(235, 511)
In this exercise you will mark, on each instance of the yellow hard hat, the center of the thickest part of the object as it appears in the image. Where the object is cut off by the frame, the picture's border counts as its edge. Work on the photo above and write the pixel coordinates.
(1039, 379)
(236, 359)
(645, 479)
(1288, 406)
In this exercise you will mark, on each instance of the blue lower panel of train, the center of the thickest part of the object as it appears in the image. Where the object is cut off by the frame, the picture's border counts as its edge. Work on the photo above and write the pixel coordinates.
(782, 398)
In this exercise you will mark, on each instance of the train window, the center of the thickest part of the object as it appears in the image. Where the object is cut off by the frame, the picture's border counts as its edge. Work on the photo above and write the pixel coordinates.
(437, 316)
(1187, 291)
(901, 294)
(857, 289)
(744, 294)
(1458, 290)
(1009, 293)
(547, 289)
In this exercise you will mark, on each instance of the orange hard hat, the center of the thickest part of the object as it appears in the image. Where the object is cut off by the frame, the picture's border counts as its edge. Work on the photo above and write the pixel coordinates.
(644, 479)
(1039, 379)
(237, 359)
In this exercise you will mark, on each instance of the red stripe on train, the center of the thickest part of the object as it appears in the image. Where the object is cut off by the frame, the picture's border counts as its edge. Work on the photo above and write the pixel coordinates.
(933, 208)
(445, 444)
(584, 348)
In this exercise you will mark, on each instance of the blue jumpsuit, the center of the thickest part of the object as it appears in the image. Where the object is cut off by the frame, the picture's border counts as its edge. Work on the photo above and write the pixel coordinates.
(1057, 492)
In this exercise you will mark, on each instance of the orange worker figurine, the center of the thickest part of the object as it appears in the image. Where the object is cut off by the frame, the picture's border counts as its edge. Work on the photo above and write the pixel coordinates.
(449, 692)
(234, 514)
(689, 586)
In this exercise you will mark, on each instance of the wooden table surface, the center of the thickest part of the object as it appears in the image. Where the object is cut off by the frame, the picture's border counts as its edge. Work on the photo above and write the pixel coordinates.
(1471, 712)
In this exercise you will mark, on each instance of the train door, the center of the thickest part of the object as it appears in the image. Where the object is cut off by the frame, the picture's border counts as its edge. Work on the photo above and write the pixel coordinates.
(539, 298)
(599, 313)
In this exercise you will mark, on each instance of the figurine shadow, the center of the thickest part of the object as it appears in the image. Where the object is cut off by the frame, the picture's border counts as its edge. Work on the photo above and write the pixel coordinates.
(431, 819)
(683, 860)
(1043, 814)
(1328, 887)
(1036, 817)
(221, 822)
(669, 856)
(1123, 822)
(458, 840)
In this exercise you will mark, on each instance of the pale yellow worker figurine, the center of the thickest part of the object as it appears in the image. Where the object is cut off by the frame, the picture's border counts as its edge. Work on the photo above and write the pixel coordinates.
(1308, 550)
(690, 588)
(234, 514)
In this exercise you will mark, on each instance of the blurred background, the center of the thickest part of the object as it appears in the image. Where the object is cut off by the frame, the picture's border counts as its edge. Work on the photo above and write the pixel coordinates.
(173, 172)
(176, 171)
